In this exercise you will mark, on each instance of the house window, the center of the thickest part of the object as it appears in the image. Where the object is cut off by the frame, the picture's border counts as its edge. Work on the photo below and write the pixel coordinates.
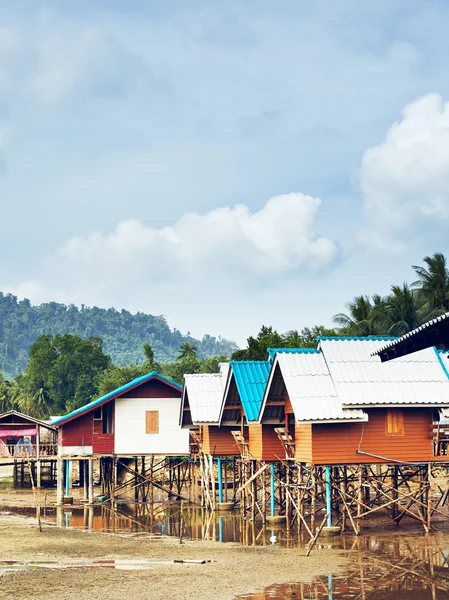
(152, 421)
(394, 424)
(108, 412)
(103, 418)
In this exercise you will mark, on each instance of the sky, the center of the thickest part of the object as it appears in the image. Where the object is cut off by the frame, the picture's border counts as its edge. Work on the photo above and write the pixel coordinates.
(227, 165)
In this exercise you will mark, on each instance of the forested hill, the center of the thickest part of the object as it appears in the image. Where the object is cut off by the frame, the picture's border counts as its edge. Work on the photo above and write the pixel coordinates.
(123, 333)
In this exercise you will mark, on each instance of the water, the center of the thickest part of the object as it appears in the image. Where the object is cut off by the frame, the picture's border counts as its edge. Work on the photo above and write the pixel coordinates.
(401, 564)
(8, 566)
(384, 567)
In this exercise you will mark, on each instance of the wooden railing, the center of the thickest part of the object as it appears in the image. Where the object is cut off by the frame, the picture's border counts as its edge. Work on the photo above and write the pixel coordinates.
(441, 440)
(27, 450)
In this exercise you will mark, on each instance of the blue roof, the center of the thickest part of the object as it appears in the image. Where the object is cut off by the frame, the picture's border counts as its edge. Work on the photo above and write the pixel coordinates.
(351, 338)
(251, 377)
(118, 392)
(273, 351)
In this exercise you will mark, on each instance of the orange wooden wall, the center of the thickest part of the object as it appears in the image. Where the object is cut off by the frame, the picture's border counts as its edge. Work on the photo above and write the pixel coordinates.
(219, 441)
(264, 443)
(303, 442)
(337, 443)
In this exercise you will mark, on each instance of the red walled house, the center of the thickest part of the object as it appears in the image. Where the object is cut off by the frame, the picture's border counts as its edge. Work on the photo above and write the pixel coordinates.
(137, 419)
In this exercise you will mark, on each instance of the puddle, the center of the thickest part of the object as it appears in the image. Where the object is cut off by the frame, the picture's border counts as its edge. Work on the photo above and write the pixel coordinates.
(7, 566)
(412, 567)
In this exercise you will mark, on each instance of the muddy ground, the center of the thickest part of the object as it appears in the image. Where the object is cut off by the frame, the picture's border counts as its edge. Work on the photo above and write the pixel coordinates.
(235, 570)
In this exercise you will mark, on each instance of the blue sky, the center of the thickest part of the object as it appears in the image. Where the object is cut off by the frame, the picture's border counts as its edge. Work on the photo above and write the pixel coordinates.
(225, 164)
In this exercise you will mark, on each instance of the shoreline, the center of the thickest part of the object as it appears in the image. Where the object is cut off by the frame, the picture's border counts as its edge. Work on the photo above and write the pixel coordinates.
(235, 570)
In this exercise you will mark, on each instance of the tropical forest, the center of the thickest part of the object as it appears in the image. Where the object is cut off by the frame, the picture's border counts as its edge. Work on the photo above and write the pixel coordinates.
(56, 358)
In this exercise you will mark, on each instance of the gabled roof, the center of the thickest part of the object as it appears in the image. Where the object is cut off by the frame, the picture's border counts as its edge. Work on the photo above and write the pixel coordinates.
(432, 333)
(310, 389)
(115, 394)
(361, 379)
(250, 377)
(204, 393)
(273, 351)
(27, 418)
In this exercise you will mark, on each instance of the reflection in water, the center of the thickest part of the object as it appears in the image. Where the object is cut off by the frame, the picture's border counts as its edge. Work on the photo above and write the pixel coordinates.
(385, 567)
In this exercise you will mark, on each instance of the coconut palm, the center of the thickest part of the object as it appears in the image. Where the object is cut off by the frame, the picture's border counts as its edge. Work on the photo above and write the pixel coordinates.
(402, 311)
(362, 317)
(187, 350)
(433, 281)
(5, 395)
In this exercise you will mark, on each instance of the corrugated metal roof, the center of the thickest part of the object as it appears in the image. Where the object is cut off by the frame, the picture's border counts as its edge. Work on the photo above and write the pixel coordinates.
(361, 379)
(205, 393)
(397, 341)
(311, 390)
(114, 394)
(251, 377)
(273, 351)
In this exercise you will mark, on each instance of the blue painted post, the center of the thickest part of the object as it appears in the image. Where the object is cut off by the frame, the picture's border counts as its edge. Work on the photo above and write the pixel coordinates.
(329, 587)
(220, 481)
(67, 476)
(272, 489)
(328, 497)
(220, 529)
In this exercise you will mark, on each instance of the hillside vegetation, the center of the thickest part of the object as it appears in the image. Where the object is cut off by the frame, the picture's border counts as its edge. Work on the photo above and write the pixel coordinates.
(123, 333)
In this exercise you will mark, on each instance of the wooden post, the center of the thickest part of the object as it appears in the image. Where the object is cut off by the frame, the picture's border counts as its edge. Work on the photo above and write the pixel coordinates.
(136, 481)
(313, 501)
(394, 493)
(38, 460)
(84, 464)
(91, 480)
(59, 481)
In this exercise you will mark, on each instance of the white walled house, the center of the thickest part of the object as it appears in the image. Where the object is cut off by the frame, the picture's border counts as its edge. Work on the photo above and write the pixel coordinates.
(140, 418)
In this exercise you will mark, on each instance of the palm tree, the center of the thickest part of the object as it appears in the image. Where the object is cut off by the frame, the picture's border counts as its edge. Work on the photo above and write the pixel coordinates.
(403, 311)
(362, 316)
(41, 403)
(187, 350)
(5, 396)
(433, 281)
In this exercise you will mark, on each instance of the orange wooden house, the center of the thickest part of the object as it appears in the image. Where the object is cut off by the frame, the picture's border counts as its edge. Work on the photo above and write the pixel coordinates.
(201, 405)
(242, 400)
(343, 407)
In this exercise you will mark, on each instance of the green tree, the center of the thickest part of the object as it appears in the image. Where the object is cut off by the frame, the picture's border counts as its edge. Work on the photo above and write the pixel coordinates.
(363, 317)
(433, 282)
(403, 311)
(62, 373)
(6, 402)
(115, 376)
(187, 350)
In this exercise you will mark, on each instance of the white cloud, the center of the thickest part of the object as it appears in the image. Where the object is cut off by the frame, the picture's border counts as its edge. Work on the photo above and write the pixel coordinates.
(224, 244)
(405, 179)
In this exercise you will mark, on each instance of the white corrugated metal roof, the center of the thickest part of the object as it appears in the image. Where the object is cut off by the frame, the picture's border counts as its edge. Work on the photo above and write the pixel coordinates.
(205, 393)
(362, 379)
(397, 341)
(311, 390)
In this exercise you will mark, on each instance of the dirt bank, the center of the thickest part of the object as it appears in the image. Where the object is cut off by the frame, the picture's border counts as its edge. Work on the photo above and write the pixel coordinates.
(237, 569)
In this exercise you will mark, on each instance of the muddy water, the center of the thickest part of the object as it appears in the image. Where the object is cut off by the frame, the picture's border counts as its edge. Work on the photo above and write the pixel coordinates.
(399, 564)
(403, 567)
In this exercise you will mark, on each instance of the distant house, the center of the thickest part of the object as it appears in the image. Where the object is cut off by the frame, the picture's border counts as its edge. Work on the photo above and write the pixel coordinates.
(137, 419)
(341, 406)
(24, 436)
(202, 400)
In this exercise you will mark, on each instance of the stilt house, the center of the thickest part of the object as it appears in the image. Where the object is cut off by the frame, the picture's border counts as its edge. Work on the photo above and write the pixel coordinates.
(242, 400)
(23, 436)
(139, 418)
(347, 408)
(202, 400)
(432, 333)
